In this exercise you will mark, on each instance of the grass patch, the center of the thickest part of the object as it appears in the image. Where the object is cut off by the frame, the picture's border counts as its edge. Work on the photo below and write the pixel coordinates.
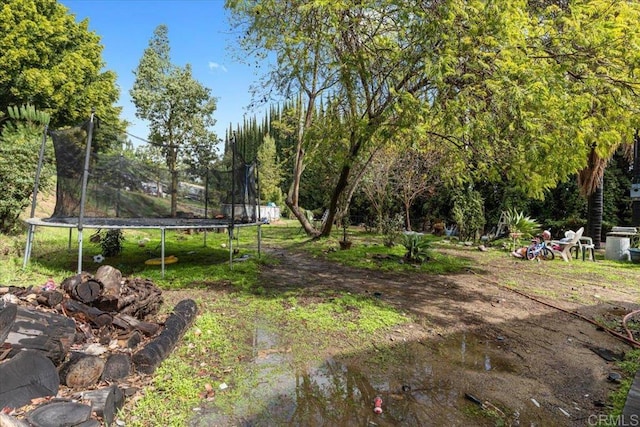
(628, 367)
(221, 345)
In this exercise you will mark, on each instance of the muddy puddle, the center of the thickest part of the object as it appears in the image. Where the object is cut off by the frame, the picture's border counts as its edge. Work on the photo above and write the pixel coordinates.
(420, 384)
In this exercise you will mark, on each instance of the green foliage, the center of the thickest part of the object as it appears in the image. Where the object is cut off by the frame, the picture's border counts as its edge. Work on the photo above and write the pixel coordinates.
(468, 213)
(20, 143)
(391, 228)
(50, 60)
(270, 172)
(111, 242)
(518, 223)
(417, 247)
(179, 109)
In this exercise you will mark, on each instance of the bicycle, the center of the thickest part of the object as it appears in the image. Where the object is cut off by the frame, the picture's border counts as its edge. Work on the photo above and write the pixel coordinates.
(539, 249)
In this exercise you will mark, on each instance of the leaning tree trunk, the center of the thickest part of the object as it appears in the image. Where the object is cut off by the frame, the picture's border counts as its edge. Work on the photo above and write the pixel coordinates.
(595, 208)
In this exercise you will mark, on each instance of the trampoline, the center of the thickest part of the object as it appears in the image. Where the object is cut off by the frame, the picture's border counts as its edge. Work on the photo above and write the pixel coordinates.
(99, 187)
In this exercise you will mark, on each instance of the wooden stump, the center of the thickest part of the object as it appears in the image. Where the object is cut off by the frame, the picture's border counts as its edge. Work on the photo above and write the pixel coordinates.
(105, 402)
(111, 279)
(26, 376)
(117, 367)
(150, 356)
(81, 370)
(49, 333)
(56, 414)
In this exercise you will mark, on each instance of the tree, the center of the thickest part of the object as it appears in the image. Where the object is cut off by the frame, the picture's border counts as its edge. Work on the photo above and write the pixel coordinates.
(367, 57)
(375, 184)
(178, 108)
(599, 73)
(415, 174)
(517, 91)
(19, 140)
(54, 63)
(270, 171)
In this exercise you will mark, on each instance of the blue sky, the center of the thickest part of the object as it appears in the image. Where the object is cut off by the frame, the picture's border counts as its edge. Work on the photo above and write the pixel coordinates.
(199, 34)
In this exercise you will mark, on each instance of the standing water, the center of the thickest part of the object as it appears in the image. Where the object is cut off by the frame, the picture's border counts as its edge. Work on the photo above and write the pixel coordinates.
(419, 385)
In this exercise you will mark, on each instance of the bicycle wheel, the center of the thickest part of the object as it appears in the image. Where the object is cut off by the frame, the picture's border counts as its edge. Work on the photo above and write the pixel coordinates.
(531, 253)
(547, 254)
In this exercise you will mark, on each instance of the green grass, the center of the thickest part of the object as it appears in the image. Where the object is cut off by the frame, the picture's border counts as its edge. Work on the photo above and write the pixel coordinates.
(52, 257)
(219, 345)
(221, 337)
(367, 251)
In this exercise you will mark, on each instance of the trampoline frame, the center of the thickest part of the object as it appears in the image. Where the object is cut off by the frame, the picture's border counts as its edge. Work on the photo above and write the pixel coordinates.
(162, 224)
(81, 222)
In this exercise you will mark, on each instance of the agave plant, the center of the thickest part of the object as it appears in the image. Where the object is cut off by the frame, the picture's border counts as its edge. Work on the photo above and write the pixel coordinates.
(522, 225)
(417, 247)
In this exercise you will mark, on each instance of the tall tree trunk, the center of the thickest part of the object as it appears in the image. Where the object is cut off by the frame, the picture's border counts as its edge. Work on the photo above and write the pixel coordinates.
(590, 182)
(595, 208)
(407, 220)
(173, 170)
(292, 198)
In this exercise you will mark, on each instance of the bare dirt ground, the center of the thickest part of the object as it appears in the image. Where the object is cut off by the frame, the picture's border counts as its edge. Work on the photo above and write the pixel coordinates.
(510, 334)
(547, 370)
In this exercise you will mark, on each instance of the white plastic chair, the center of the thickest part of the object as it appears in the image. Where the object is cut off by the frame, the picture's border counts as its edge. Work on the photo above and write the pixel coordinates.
(567, 245)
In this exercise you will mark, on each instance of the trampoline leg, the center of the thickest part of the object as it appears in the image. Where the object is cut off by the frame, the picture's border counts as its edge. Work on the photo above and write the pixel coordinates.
(79, 251)
(259, 239)
(230, 230)
(27, 249)
(69, 244)
(162, 230)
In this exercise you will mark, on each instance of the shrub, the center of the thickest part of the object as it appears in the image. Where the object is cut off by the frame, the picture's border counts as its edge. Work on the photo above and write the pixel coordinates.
(468, 212)
(391, 228)
(517, 222)
(417, 247)
(111, 242)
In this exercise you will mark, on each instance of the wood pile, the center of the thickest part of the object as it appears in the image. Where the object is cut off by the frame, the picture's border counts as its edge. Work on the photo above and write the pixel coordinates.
(69, 354)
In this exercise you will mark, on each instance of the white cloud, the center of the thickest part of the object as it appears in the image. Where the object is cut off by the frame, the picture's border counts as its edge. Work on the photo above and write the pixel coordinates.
(215, 65)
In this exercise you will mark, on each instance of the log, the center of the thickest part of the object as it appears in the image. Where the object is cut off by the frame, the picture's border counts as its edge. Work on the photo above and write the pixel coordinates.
(128, 323)
(49, 333)
(130, 340)
(111, 279)
(87, 291)
(117, 367)
(8, 315)
(81, 370)
(49, 298)
(85, 313)
(105, 402)
(59, 413)
(71, 282)
(151, 355)
(28, 375)
(140, 298)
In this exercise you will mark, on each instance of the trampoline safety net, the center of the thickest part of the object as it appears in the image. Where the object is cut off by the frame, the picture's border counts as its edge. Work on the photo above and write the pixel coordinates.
(135, 182)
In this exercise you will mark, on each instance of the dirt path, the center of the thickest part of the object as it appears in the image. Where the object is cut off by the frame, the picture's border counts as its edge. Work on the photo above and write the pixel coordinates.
(535, 362)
